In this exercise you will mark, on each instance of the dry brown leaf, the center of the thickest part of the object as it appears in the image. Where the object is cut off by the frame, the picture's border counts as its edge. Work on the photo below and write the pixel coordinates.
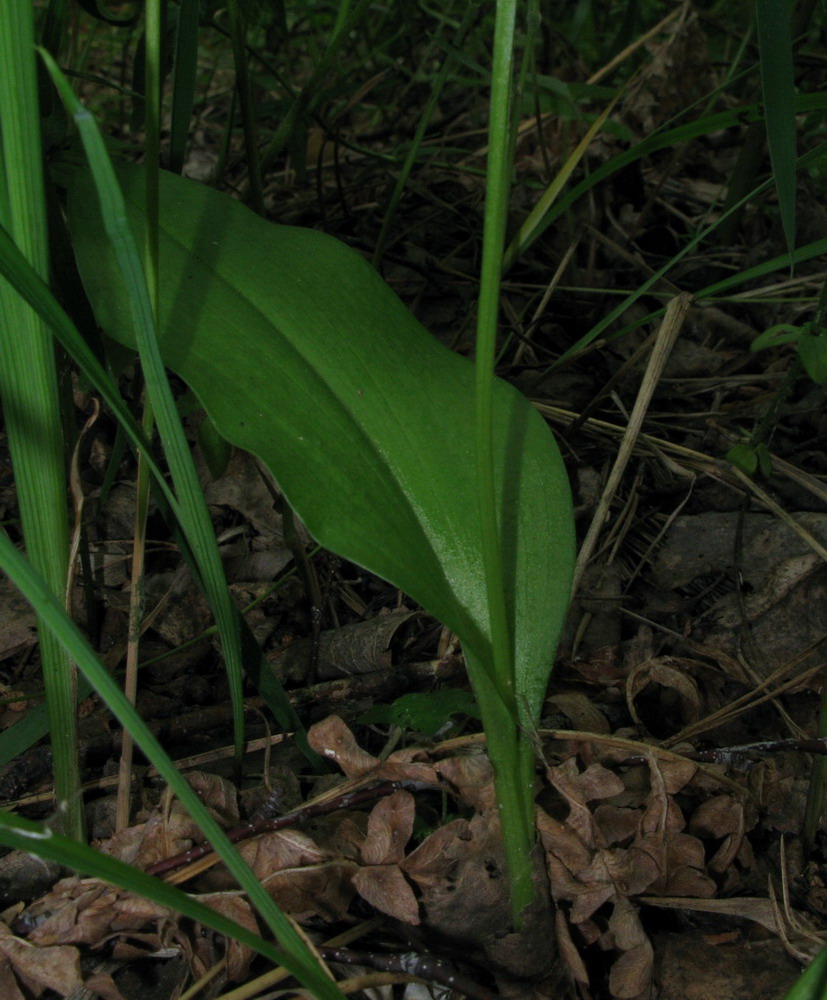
(631, 973)
(431, 862)
(323, 891)
(349, 835)
(281, 849)
(390, 826)
(665, 672)
(158, 838)
(54, 967)
(617, 823)
(564, 779)
(472, 778)
(471, 900)
(332, 739)
(676, 773)
(217, 794)
(86, 911)
(234, 906)
(564, 843)
(102, 985)
(9, 987)
(598, 782)
(721, 817)
(580, 711)
(568, 951)
(386, 888)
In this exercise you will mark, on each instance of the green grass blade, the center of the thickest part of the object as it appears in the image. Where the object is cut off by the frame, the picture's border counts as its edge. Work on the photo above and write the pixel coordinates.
(773, 20)
(28, 385)
(43, 600)
(416, 142)
(195, 518)
(346, 22)
(812, 984)
(255, 192)
(536, 218)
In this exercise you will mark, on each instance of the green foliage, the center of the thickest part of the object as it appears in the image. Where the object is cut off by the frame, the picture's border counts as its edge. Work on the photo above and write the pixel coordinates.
(810, 342)
(423, 711)
(303, 356)
(750, 458)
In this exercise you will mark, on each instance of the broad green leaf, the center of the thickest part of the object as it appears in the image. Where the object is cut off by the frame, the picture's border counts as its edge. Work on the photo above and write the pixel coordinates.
(775, 336)
(744, 457)
(812, 349)
(302, 355)
(812, 984)
(423, 711)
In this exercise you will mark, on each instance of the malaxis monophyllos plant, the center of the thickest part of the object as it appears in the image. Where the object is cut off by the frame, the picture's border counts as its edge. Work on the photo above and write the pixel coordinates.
(301, 354)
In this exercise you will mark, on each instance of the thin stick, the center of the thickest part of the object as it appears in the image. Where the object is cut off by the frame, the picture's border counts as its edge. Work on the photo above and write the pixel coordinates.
(667, 334)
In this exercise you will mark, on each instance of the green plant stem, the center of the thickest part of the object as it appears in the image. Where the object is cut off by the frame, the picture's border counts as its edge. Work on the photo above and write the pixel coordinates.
(28, 386)
(512, 766)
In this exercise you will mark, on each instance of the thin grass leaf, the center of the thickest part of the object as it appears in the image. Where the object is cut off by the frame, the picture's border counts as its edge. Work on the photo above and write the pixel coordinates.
(415, 145)
(773, 20)
(195, 518)
(536, 220)
(29, 389)
(21, 573)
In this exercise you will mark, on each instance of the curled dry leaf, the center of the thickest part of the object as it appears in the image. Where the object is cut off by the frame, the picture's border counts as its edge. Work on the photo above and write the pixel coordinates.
(471, 777)
(721, 817)
(634, 844)
(580, 711)
(390, 826)
(85, 911)
(631, 974)
(386, 888)
(282, 849)
(332, 739)
(323, 891)
(666, 673)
